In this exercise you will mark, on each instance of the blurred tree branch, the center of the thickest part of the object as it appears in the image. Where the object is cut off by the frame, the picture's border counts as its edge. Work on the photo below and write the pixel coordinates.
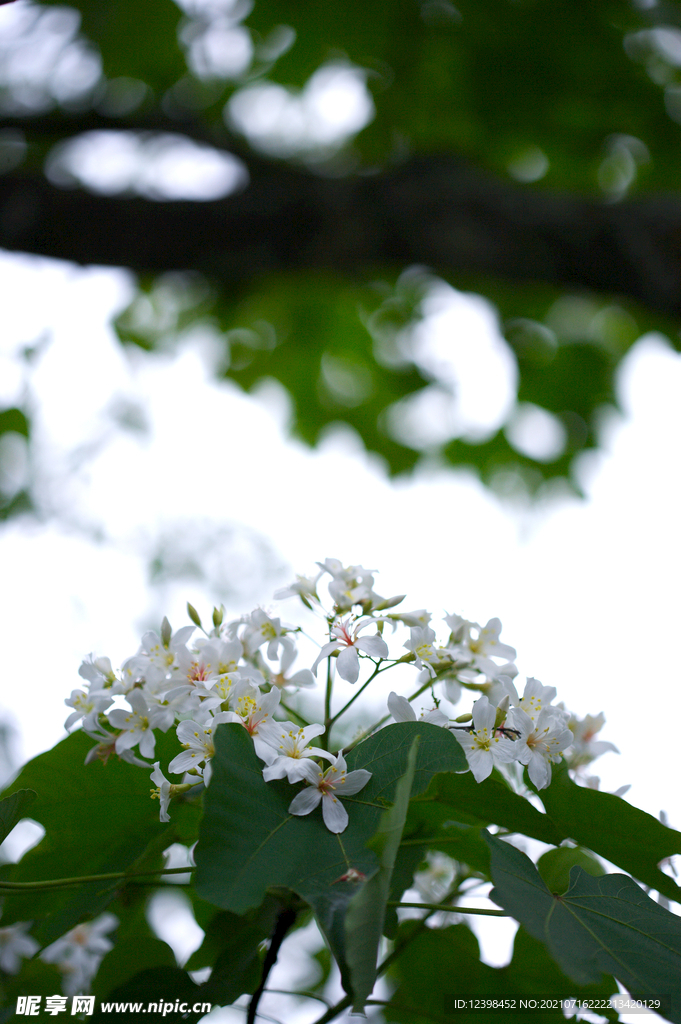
(437, 211)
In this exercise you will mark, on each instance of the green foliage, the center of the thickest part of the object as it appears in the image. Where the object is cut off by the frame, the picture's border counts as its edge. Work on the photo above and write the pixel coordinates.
(36, 977)
(554, 866)
(107, 807)
(149, 54)
(490, 81)
(590, 111)
(548, 116)
(601, 925)
(160, 986)
(13, 421)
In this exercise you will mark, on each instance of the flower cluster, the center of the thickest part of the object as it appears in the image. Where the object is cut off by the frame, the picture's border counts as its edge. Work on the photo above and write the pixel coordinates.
(195, 679)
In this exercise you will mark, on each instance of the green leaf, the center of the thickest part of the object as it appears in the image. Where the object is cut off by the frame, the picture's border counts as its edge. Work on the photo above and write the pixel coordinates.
(133, 47)
(108, 808)
(533, 972)
(608, 825)
(249, 841)
(554, 866)
(601, 925)
(13, 809)
(16, 421)
(432, 826)
(366, 911)
(136, 947)
(492, 802)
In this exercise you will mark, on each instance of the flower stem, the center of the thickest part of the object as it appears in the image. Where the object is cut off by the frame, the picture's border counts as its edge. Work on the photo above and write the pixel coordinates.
(354, 696)
(328, 721)
(300, 719)
(112, 876)
(379, 723)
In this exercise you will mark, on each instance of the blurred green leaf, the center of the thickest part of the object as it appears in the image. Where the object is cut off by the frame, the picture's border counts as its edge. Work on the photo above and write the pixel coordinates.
(366, 911)
(133, 47)
(15, 420)
(161, 986)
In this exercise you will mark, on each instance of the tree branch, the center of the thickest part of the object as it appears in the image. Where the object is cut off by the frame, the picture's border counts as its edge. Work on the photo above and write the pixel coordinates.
(436, 211)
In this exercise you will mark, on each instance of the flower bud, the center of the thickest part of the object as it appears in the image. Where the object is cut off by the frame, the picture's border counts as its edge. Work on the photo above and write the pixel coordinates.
(166, 632)
(193, 615)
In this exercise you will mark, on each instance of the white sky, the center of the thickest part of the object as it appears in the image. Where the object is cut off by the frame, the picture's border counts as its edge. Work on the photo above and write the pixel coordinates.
(586, 590)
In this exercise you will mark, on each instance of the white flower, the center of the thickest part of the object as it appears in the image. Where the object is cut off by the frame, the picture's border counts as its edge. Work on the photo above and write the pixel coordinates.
(87, 706)
(585, 748)
(98, 672)
(198, 667)
(479, 644)
(255, 712)
(348, 645)
(137, 724)
(303, 678)
(538, 743)
(163, 791)
(427, 656)
(305, 587)
(323, 787)
(292, 750)
(420, 617)
(198, 742)
(262, 629)
(16, 945)
(157, 657)
(436, 880)
(352, 584)
(78, 953)
(402, 711)
(535, 697)
(481, 745)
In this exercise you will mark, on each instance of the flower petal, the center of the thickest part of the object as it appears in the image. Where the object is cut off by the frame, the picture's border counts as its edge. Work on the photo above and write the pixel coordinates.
(335, 816)
(348, 664)
(400, 708)
(373, 645)
(353, 782)
(305, 801)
